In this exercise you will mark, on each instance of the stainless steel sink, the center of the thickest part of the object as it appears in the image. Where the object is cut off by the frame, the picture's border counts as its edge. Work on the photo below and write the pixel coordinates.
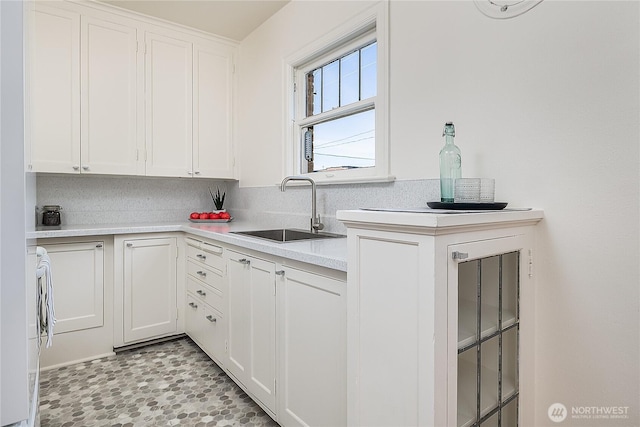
(287, 235)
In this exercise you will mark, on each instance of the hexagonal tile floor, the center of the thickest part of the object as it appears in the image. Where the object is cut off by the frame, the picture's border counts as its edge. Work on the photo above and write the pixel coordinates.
(167, 384)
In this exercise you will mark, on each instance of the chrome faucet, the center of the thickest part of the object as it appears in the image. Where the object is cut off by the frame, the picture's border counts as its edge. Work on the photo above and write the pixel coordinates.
(315, 219)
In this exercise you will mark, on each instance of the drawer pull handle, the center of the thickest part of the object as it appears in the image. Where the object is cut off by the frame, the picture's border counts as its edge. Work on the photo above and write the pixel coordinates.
(210, 318)
(201, 293)
(244, 261)
(212, 248)
(202, 257)
(193, 305)
(201, 273)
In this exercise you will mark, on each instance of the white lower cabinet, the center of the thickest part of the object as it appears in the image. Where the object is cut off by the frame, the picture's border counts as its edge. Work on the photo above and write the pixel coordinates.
(146, 288)
(252, 330)
(82, 293)
(278, 330)
(440, 312)
(79, 285)
(206, 298)
(312, 349)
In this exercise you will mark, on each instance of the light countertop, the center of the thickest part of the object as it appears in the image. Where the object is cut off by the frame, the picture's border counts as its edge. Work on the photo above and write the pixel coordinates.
(329, 253)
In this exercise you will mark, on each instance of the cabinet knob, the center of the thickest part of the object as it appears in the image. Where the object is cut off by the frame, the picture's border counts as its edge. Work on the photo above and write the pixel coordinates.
(210, 318)
(189, 173)
(99, 245)
(129, 245)
(202, 257)
(455, 255)
(280, 273)
(193, 305)
(197, 172)
(85, 167)
(201, 293)
(201, 273)
(76, 167)
(244, 261)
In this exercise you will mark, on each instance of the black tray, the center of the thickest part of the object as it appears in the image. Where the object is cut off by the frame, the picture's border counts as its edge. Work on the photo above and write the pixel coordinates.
(479, 206)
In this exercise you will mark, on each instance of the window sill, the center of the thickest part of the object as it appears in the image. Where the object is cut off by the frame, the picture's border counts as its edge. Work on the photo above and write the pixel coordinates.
(342, 180)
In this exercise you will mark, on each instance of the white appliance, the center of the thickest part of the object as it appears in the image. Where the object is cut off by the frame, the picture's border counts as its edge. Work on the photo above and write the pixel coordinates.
(18, 345)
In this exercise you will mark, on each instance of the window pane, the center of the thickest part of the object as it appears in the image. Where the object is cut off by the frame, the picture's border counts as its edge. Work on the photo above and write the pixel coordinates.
(369, 55)
(344, 143)
(330, 86)
(349, 78)
(314, 93)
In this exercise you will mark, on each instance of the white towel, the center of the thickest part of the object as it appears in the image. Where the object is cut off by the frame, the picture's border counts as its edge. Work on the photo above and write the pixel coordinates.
(46, 311)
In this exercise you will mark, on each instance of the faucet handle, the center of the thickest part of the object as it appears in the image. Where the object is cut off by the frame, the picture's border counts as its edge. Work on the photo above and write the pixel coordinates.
(316, 225)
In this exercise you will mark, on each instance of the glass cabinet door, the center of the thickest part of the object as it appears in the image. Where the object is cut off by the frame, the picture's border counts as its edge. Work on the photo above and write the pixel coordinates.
(486, 280)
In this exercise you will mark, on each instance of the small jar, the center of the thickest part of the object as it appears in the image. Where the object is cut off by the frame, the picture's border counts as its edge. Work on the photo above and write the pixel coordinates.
(51, 215)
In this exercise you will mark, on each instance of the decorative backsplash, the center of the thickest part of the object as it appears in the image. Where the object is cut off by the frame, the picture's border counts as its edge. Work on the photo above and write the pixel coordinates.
(115, 200)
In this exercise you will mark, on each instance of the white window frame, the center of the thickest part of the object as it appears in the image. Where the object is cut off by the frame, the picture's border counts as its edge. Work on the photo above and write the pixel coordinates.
(369, 25)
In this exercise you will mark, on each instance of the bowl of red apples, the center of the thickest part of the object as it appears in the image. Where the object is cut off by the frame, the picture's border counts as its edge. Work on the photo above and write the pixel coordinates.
(222, 216)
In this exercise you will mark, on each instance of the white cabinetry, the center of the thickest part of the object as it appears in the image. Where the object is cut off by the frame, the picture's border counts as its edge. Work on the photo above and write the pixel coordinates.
(83, 84)
(206, 297)
(212, 84)
(252, 318)
(312, 326)
(83, 297)
(55, 90)
(168, 105)
(109, 92)
(411, 277)
(188, 108)
(114, 94)
(146, 288)
(79, 285)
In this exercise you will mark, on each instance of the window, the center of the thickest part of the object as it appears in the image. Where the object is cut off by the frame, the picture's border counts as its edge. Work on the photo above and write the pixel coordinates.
(339, 104)
(338, 130)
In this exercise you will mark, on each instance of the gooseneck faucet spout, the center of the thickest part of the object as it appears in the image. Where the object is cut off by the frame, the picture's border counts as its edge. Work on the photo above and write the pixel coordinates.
(315, 219)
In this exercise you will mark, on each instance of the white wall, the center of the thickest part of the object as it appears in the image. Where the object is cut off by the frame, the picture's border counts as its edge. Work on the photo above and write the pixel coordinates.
(548, 104)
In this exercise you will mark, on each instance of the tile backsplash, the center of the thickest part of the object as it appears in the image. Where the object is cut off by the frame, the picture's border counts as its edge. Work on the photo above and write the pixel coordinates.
(93, 199)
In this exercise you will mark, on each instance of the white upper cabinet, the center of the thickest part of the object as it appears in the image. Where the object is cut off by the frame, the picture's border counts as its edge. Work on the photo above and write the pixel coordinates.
(169, 82)
(118, 94)
(55, 91)
(212, 80)
(109, 66)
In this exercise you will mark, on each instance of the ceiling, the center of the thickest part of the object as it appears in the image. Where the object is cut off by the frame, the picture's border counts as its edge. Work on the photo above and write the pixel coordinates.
(234, 19)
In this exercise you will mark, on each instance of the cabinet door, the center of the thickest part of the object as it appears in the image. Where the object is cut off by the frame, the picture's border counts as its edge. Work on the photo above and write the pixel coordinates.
(489, 290)
(168, 71)
(150, 305)
(109, 69)
(212, 91)
(78, 285)
(55, 91)
(312, 342)
(251, 320)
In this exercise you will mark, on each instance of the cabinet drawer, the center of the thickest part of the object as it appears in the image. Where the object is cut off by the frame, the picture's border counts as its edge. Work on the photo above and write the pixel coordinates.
(207, 254)
(213, 297)
(206, 327)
